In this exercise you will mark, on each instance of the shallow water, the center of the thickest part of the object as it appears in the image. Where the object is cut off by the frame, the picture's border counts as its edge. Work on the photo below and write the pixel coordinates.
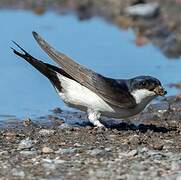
(94, 43)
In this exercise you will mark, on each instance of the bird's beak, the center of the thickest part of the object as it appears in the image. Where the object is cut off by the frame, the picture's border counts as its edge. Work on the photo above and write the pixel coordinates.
(160, 91)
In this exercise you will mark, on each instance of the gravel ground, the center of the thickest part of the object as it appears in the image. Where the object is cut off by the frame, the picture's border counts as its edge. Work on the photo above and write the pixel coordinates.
(64, 145)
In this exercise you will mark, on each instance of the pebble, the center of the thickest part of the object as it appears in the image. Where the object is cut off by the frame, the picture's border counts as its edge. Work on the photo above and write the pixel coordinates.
(10, 135)
(57, 111)
(144, 150)
(28, 153)
(133, 153)
(59, 161)
(49, 166)
(27, 122)
(65, 126)
(94, 152)
(66, 151)
(46, 132)
(16, 172)
(25, 144)
(3, 153)
(47, 150)
(47, 160)
(175, 166)
(158, 146)
(145, 10)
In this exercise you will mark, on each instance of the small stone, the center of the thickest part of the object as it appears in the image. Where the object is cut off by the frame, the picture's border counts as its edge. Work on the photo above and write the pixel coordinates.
(10, 135)
(47, 160)
(25, 144)
(158, 147)
(144, 150)
(3, 153)
(16, 172)
(57, 111)
(46, 132)
(47, 150)
(28, 153)
(49, 166)
(156, 155)
(66, 127)
(175, 166)
(133, 153)
(77, 145)
(66, 151)
(134, 140)
(94, 152)
(108, 149)
(27, 122)
(59, 161)
(143, 10)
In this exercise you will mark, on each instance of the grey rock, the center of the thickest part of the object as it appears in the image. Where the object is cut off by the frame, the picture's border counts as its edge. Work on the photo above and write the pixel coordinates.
(143, 150)
(3, 153)
(28, 153)
(19, 173)
(25, 144)
(49, 166)
(65, 126)
(59, 161)
(47, 160)
(66, 151)
(143, 10)
(154, 153)
(47, 150)
(46, 132)
(178, 177)
(94, 152)
(132, 153)
(175, 166)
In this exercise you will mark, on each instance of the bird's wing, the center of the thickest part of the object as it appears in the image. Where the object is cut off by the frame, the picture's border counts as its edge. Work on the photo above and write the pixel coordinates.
(109, 89)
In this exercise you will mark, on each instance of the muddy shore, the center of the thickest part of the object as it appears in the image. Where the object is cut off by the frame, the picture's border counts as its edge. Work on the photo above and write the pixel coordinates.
(64, 145)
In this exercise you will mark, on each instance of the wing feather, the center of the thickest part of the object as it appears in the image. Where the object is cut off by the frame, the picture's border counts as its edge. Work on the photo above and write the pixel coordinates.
(113, 91)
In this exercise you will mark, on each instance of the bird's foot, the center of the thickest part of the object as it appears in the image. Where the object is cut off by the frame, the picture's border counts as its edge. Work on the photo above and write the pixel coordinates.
(93, 117)
(100, 128)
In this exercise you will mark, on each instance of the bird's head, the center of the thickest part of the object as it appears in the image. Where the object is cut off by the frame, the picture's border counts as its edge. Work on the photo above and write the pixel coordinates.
(146, 87)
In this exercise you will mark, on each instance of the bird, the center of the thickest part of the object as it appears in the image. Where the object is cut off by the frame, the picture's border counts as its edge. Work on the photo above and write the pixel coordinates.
(84, 89)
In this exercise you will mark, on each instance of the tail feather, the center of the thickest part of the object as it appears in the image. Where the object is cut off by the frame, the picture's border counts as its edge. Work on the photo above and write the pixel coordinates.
(47, 70)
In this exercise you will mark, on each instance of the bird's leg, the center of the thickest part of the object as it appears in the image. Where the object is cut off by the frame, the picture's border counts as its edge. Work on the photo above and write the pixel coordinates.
(94, 117)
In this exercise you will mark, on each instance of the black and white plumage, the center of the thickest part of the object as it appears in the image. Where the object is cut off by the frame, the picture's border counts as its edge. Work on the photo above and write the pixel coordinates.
(84, 89)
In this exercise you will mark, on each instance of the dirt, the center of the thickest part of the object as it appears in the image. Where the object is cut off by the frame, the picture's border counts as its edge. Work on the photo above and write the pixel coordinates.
(64, 145)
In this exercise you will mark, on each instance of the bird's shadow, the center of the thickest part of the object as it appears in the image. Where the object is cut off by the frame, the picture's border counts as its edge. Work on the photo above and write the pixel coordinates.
(124, 126)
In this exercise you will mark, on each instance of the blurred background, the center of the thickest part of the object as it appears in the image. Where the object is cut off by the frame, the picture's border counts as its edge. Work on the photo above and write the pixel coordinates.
(118, 38)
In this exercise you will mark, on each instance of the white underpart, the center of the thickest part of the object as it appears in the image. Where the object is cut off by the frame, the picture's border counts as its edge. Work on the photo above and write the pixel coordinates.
(76, 94)
(141, 95)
